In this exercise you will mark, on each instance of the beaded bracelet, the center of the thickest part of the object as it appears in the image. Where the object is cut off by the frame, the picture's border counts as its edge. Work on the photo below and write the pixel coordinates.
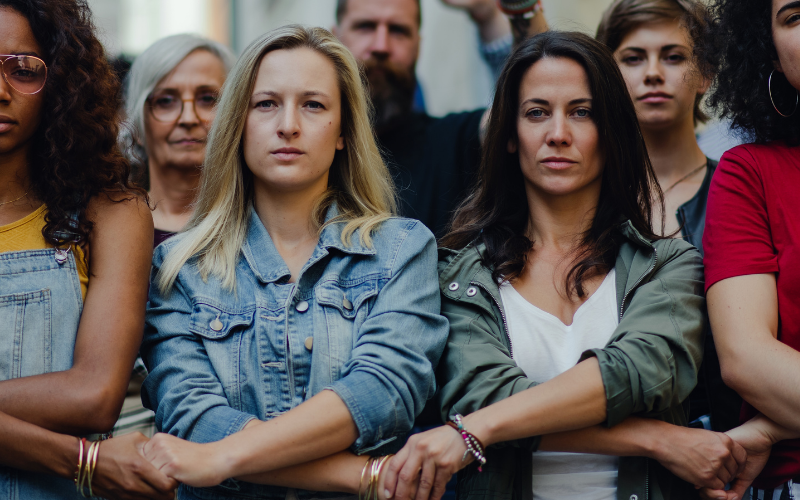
(474, 445)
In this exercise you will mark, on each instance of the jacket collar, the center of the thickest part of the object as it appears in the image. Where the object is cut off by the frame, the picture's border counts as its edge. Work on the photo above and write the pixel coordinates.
(266, 263)
(467, 265)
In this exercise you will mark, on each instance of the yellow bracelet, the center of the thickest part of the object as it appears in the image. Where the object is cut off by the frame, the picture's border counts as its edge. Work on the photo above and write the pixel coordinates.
(361, 482)
(375, 475)
(93, 466)
(80, 465)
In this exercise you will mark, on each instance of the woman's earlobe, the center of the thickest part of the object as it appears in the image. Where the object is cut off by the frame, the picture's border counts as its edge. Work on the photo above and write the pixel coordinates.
(340, 143)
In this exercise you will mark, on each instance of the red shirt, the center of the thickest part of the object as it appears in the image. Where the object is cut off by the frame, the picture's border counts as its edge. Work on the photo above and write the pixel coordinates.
(753, 227)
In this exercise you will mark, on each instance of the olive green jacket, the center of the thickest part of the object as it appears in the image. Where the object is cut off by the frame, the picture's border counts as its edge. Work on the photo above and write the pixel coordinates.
(649, 366)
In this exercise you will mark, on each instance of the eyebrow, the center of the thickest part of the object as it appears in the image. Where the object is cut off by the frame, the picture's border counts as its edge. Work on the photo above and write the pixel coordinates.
(544, 102)
(307, 93)
(665, 47)
(790, 5)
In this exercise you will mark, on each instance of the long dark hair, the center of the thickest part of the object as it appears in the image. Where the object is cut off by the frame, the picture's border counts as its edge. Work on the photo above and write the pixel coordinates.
(496, 213)
(74, 154)
(743, 44)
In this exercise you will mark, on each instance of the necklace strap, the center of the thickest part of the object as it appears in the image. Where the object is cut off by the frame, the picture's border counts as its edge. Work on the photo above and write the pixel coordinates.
(701, 167)
(17, 199)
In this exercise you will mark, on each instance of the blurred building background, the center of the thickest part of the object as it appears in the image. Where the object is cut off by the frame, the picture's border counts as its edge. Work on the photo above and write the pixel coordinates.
(450, 70)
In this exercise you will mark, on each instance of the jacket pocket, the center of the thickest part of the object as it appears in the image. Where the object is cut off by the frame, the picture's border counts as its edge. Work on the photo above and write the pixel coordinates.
(221, 331)
(343, 309)
(25, 334)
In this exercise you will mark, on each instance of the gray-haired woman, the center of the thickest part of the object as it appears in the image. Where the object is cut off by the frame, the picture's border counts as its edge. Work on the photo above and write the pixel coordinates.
(170, 98)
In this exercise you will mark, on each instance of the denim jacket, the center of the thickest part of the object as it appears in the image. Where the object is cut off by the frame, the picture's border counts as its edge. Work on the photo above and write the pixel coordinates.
(362, 321)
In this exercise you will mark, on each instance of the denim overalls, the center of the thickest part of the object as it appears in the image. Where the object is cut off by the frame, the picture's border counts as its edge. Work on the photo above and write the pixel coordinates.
(40, 307)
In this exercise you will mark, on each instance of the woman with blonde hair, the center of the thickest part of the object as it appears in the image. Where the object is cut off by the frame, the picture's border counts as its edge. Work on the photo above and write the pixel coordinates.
(295, 317)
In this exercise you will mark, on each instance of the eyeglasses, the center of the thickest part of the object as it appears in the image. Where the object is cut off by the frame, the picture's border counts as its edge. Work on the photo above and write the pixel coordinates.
(25, 74)
(167, 106)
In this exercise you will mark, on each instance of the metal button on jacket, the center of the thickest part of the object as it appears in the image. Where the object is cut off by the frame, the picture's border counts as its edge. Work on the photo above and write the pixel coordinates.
(347, 304)
(309, 342)
(215, 324)
(302, 306)
(453, 286)
(472, 291)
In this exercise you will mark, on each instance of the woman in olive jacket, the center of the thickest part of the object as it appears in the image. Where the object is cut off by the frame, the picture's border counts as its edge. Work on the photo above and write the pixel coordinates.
(553, 261)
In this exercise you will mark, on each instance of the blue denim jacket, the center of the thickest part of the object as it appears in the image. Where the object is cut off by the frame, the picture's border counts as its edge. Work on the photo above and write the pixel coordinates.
(363, 322)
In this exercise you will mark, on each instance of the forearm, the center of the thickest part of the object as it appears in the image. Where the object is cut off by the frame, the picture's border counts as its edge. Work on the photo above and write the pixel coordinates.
(65, 402)
(31, 448)
(340, 473)
(320, 427)
(767, 375)
(635, 437)
(575, 399)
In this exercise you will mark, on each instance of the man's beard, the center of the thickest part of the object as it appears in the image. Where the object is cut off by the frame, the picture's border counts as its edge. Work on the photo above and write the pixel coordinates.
(392, 91)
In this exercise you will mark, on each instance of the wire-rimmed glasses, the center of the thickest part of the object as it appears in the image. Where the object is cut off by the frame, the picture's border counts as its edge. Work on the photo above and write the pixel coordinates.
(25, 74)
(167, 105)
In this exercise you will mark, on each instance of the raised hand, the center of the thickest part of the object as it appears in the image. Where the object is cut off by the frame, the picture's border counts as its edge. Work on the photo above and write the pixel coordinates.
(425, 464)
(189, 463)
(123, 472)
(704, 458)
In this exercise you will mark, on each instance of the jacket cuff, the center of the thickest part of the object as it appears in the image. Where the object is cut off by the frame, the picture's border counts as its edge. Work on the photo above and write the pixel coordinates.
(372, 408)
(217, 423)
(617, 384)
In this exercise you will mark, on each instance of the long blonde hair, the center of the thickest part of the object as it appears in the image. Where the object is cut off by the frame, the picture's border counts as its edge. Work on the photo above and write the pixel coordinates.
(359, 182)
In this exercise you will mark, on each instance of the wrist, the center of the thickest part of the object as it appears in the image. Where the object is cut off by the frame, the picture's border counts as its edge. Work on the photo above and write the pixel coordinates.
(65, 461)
(656, 438)
(480, 428)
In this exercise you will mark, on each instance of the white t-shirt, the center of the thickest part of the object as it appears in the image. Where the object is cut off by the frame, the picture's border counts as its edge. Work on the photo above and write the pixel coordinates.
(545, 347)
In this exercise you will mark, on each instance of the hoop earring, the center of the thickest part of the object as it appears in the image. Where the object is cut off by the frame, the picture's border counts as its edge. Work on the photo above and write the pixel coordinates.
(769, 89)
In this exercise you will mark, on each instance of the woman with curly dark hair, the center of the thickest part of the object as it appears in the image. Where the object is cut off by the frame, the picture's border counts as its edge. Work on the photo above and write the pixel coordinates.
(74, 262)
(752, 236)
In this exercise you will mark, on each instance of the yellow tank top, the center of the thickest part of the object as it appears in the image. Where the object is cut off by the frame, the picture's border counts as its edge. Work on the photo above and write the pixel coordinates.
(26, 234)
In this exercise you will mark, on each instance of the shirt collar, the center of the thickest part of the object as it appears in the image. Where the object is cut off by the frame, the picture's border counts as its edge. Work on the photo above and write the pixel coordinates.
(267, 264)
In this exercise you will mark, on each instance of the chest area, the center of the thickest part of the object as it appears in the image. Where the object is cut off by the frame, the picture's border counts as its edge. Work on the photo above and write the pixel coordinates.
(544, 346)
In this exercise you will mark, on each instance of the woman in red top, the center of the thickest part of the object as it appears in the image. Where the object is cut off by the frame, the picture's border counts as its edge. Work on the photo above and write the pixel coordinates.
(752, 236)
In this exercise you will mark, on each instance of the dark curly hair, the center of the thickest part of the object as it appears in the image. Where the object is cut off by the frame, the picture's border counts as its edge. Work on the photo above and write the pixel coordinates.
(743, 45)
(74, 153)
(497, 213)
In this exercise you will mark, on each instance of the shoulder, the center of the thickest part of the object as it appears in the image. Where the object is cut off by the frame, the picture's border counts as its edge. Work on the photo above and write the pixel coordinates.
(121, 217)
(397, 230)
(678, 254)
(759, 156)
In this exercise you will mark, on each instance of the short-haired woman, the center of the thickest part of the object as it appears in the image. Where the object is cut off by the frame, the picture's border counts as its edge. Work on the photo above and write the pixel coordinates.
(74, 263)
(295, 317)
(654, 43)
(567, 311)
(752, 235)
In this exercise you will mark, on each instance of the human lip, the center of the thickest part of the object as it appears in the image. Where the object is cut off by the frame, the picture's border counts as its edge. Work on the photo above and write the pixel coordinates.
(187, 141)
(558, 162)
(654, 97)
(287, 154)
(6, 123)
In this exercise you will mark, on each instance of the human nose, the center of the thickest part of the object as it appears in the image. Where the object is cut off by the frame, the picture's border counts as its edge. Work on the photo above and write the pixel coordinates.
(5, 88)
(654, 74)
(188, 116)
(379, 48)
(560, 133)
(289, 125)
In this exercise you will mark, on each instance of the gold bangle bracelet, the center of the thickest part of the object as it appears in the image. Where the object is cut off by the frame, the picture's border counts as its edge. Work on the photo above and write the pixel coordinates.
(80, 465)
(95, 451)
(363, 473)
